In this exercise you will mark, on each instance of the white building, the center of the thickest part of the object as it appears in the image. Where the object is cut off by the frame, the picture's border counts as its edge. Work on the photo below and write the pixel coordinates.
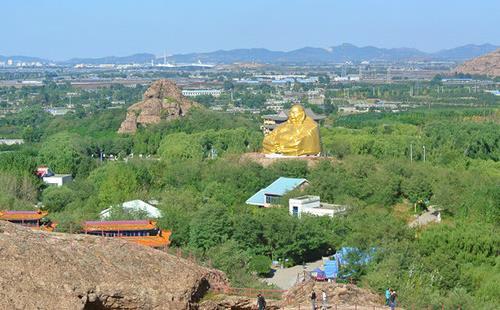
(58, 179)
(134, 206)
(201, 92)
(312, 205)
(57, 111)
(11, 141)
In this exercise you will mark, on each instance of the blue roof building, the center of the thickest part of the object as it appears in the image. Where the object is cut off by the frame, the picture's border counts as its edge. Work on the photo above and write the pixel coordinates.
(270, 195)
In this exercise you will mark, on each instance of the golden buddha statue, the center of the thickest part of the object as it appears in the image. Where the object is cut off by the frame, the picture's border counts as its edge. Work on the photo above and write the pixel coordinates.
(298, 136)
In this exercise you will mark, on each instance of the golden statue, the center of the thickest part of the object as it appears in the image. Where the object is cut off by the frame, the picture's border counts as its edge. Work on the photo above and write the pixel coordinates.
(299, 135)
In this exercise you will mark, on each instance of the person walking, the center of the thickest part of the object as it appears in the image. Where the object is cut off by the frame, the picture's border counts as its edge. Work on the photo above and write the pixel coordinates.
(261, 302)
(387, 295)
(313, 300)
(392, 300)
(324, 300)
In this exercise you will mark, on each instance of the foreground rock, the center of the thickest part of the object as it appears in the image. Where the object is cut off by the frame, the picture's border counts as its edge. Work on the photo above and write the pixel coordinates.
(162, 101)
(488, 64)
(61, 271)
(222, 302)
(338, 294)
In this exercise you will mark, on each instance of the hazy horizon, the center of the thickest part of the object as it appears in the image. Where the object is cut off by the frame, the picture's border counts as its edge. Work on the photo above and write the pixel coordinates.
(59, 30)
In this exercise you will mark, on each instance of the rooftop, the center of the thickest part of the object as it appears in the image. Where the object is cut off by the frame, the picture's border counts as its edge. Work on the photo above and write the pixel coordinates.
(278, 188)
(22, 215)
(307, 197)
(134, 206)
(119, 225)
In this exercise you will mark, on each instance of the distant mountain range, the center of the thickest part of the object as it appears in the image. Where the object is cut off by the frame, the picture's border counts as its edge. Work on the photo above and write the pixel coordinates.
(335, 54)
(310, 55)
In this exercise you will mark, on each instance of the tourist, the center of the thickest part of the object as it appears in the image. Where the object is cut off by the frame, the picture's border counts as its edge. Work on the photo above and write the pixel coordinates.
(324, 299)
(387, 295)
(261, 302)
(392, 300)
(313, 300)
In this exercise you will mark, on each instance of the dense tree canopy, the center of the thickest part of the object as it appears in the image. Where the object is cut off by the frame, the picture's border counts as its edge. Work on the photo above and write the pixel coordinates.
(193, 167)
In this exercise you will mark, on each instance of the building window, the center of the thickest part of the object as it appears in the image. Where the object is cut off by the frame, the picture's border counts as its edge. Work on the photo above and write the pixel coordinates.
(272, 199)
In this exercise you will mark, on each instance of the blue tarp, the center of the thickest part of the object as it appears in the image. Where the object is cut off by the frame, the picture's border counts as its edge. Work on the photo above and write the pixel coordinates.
(331, 269)
(346, 256)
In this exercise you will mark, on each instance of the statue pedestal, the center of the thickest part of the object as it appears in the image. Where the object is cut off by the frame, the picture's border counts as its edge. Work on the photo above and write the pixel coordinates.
(277, 156)
(268, 159)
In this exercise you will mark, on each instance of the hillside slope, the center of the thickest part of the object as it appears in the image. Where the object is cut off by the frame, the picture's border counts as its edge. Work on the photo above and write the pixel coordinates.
(488, 64)
(62, 271)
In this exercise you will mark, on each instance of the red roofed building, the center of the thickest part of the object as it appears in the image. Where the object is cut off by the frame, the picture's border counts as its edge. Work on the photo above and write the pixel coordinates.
(32, 219)
(143, 232)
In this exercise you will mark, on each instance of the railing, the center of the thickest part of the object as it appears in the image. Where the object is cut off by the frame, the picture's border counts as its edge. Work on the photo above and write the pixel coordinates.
(274, 294)
(321, 306)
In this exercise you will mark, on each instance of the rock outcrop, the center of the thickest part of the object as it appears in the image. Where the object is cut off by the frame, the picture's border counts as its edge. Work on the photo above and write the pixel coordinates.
(488, 64)
(61, 271)
(337, 294)
(163, 100)
(222, 302)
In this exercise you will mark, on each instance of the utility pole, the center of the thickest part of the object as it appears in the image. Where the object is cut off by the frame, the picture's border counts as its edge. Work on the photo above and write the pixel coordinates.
(424, 152)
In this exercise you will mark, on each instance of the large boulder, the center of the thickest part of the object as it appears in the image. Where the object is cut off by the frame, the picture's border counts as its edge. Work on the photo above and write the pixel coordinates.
(163, 100)
(62, 271)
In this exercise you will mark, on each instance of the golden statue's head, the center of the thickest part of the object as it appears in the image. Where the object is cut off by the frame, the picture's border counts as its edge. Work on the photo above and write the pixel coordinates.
(297, 114)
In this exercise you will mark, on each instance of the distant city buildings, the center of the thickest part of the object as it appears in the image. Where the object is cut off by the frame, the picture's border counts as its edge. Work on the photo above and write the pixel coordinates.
(201, 92)
(272, 121)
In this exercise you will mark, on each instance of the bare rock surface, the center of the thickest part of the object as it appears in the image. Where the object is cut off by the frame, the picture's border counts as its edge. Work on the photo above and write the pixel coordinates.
(223, 302)
(488, 64)
(61, 271)
(337, 294)
(163, 100)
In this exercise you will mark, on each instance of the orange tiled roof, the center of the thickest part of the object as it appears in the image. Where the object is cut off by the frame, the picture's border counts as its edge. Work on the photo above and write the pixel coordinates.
(152, 241)
(119, 225)
(22, 215)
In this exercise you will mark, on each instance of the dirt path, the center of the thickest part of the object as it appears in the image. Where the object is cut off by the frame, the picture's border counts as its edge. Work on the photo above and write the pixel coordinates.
(285, 278)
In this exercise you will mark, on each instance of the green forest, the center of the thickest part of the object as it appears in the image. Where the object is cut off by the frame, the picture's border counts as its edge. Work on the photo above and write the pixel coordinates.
(376, 165)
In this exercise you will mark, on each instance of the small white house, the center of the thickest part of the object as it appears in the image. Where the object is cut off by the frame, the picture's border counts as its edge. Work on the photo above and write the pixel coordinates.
(134, 206)
(312, 205)
(58, 179)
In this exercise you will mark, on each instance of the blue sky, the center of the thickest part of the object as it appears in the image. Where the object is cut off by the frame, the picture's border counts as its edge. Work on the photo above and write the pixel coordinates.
(60, 29)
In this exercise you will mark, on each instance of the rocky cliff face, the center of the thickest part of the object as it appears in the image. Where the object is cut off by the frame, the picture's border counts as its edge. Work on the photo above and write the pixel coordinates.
(62, 271)
(162, 101)
(488, 64)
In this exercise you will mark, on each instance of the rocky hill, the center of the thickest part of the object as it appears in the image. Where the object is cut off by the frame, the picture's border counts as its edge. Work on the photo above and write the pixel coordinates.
(163, 100)
(62, 271)
(344, 295)
(488, 64)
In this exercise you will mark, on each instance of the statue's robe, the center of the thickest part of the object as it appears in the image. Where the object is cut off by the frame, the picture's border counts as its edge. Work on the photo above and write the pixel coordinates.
(293, 139)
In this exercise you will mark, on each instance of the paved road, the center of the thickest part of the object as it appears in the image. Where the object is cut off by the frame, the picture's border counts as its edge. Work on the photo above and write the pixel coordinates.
(285, 278)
